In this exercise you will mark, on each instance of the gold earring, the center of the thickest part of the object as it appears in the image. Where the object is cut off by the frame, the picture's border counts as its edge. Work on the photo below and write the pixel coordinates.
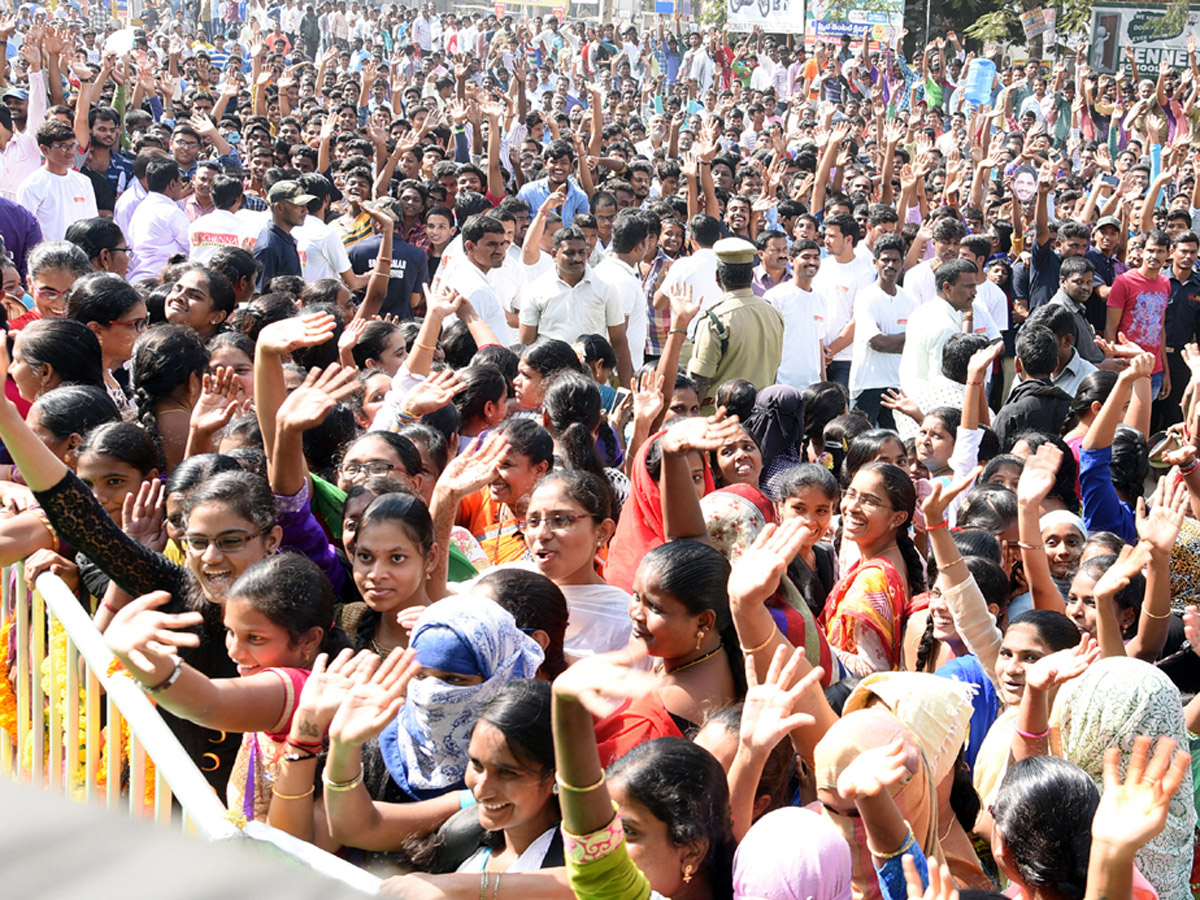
(699, 638)
(687, 874)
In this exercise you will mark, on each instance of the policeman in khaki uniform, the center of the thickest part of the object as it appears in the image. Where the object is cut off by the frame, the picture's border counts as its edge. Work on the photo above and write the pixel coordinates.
(741, 335)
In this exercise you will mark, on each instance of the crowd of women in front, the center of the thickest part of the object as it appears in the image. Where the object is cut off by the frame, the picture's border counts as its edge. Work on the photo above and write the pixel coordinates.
(468, 620)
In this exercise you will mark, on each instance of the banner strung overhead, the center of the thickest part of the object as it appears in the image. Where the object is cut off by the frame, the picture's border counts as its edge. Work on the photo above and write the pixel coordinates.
(863, 20)
(772, 16)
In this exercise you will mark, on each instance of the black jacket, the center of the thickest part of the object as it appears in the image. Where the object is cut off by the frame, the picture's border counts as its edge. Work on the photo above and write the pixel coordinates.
(1033, 405)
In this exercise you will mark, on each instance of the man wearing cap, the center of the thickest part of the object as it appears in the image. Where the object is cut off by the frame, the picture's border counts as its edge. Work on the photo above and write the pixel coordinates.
(159, 226)
(276, 249)
(742, 335)
(22, 115)
(1106, 236)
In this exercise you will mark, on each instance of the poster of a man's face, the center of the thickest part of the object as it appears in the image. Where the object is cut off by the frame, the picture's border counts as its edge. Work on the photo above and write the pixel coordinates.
(1025, 183)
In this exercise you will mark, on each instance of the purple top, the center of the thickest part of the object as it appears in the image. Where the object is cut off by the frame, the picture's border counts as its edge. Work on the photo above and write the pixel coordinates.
(304, 534)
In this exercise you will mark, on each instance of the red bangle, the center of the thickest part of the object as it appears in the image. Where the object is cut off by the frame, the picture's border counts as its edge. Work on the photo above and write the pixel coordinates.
(929, 527)
(306, 745)
(976, 383)
(1032, 737)
(112, 609)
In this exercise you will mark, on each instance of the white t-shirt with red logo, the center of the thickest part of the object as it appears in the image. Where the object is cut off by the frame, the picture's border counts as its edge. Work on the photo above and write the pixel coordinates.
(57, 200)
(877, 312)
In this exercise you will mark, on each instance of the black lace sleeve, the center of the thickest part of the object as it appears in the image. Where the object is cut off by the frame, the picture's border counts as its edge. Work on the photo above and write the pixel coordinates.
(82, 522)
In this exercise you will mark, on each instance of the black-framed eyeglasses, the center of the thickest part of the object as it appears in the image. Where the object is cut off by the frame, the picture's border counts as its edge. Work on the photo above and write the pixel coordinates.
(226, 543)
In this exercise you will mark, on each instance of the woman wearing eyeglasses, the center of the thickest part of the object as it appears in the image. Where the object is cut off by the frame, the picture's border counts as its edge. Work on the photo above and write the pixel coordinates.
(103, 242)
(107, 304)
(565, 528)
(230, 522)
(864, 615)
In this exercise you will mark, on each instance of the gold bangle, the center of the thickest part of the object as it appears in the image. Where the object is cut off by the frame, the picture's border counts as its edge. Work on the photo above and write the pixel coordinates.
(1147, 612)
(307, 793)
(350, 785)
(579, 790)
(770, 637)
(483, 883)
(496, 887)
(424, 346)
(904, 848)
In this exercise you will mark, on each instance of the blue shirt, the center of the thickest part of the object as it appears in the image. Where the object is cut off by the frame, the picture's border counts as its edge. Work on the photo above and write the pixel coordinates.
(409, 275)
(536, 193)
(1103, 510)
(278, 254)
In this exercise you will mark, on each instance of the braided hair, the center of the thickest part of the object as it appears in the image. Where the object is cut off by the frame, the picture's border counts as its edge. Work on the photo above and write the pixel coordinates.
(164, 360)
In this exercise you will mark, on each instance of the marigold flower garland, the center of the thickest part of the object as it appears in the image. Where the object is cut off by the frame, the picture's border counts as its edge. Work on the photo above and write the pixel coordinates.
(57, 694)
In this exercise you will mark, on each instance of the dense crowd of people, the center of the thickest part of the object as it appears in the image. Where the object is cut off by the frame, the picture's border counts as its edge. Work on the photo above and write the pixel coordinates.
(549, 459)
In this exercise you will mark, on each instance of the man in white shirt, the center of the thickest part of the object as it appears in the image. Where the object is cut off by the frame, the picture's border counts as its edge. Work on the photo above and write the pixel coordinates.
(56, 194)
(946, 236)
(803, 312)
(976, 248)
(322, 253)
(630, 234)
(697, 65)
(19, 153)
(931, 324)
(159, 228)
(698, 271)
(221, 227)
(842, 276)
(573, 301)
(422, 32)
(881, 313)
(484, 243)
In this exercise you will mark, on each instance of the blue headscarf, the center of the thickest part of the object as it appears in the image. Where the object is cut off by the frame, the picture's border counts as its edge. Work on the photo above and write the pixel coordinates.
(425, 750)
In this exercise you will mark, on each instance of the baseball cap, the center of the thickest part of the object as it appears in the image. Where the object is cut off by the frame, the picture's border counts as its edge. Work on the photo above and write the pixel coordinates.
(1108, 220)
(289, 191)
(18, 93)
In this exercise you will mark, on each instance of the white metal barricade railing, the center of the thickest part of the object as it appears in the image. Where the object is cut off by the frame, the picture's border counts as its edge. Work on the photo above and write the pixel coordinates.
(50, 694)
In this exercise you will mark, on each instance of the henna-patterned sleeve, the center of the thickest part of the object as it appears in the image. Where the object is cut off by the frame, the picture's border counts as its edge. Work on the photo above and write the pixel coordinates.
(83, 523)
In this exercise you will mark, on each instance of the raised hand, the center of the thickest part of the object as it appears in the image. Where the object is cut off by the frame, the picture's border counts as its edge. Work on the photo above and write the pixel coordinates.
(699, 434)
(941, 496)
(434, 392)
(895, 399)
(307, 406)
(351, 335)
(1039, 474)
(1130, 561)
(1159, 527)
(876, 771)
(1125, 348)
(755, 576)
(597, 682)
(219, 400)
(768, 714)
(142, 515)
(371, 705)
(1134, 811)
(142, 637)
(1056, 669)
(685, 305)
(288, 335)
(648, 399)
(326, 689)
(941, 883)
(470, 471)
